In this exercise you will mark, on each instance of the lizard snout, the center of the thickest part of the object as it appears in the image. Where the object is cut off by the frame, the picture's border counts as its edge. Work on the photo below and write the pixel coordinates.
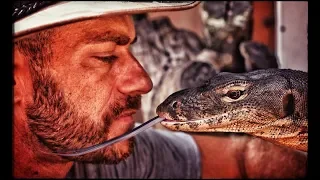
(168, 109)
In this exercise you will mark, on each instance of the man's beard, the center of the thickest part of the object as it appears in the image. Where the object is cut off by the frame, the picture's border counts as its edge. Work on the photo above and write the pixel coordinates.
(60, 127)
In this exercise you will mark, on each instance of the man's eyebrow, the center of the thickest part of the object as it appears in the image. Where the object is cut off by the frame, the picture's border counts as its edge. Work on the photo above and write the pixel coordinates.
(118, 38)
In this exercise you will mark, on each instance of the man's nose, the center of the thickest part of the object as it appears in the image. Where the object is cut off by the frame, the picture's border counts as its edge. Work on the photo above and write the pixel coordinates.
(134, 80)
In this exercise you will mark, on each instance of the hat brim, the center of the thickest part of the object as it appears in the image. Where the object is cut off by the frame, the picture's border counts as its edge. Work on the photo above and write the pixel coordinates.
(67, 12)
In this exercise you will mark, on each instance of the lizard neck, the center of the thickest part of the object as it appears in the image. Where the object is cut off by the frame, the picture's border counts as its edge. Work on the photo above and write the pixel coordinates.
(286, 132)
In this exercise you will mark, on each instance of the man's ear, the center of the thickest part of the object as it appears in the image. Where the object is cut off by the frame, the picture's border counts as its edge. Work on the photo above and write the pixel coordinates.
(22, 79)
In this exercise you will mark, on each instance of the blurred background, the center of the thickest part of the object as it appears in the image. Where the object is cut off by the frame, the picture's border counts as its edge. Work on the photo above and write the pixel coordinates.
(183, 49)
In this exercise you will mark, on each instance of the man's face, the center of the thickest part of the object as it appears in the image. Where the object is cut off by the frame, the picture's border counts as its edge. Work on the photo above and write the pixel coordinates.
(90, 89)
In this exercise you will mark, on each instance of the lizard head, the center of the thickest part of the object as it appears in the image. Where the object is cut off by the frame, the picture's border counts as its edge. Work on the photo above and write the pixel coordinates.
(238, 102)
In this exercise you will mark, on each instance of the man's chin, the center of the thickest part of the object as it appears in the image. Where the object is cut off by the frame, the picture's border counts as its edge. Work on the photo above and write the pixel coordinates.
(117, 152)
(120, 126)
(122, 150)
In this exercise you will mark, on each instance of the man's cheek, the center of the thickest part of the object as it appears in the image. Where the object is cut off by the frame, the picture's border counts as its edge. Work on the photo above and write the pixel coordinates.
(91, 102)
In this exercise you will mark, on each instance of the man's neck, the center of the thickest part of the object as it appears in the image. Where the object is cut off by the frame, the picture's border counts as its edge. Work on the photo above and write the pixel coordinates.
(28, 161)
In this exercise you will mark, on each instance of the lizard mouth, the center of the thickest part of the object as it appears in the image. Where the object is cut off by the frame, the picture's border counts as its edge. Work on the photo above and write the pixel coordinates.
(168, 118)
(213, 123)
(171, 120)
(200, 125)
(226, 122)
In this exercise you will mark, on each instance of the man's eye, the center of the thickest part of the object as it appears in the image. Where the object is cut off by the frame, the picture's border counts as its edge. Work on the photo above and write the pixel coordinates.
(108, 59)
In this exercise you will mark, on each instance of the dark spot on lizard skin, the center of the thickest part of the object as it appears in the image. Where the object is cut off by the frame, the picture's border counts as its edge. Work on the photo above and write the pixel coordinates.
(219, 120)
(193, 125)
(209, 122)
(177, 126)
(303, 130)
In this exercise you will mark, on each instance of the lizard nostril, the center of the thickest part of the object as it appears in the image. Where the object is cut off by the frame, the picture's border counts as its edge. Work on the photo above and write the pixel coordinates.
(174, 104)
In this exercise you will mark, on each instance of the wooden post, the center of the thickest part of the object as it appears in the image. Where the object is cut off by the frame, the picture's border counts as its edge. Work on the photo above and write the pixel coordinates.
(263, 23)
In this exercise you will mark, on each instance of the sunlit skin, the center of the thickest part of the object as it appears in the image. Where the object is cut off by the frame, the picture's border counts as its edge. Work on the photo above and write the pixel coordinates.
(86, 93)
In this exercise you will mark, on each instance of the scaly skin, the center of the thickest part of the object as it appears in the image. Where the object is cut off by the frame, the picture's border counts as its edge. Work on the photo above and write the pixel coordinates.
(270, 103)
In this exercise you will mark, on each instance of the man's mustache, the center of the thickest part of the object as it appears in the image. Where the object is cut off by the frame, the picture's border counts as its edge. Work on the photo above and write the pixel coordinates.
(131, 102)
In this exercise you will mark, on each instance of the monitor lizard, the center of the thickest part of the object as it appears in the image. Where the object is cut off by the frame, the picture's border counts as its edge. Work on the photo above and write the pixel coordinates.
(271, 104)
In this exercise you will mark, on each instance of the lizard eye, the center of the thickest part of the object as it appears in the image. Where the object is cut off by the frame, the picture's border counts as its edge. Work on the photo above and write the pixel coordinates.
(234, 94)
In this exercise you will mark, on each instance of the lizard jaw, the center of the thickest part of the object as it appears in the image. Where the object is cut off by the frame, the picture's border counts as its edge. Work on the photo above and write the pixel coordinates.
(168, 118)
(193, 125)
(217, 123)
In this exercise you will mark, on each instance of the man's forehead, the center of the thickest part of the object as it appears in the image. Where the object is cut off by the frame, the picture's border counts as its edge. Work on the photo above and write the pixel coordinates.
(119, 29)
(118, 37)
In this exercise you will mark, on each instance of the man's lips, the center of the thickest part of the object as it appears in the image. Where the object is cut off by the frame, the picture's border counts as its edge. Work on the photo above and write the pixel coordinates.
(124, 119)
(121, 124)
(126, 116)
(127, 113)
